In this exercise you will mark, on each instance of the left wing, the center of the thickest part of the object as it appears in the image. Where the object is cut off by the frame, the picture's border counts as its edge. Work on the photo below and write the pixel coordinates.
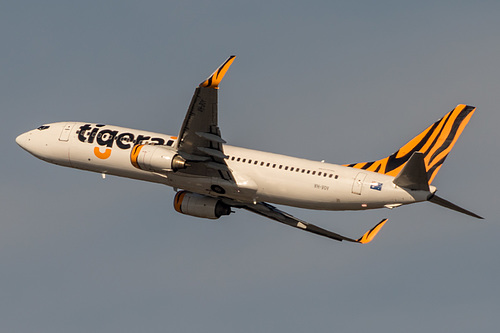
(274, 213)
(199, 141)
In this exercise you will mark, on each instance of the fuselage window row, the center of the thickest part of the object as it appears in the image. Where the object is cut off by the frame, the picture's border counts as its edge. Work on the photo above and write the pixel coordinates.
(268, 164)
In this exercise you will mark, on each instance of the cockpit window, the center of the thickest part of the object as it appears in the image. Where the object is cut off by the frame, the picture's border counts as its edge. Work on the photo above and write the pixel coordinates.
(44, 127)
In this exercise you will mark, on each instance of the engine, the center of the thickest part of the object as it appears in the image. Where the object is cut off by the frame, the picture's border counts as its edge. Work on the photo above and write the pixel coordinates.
(200, 205)
(156, 158)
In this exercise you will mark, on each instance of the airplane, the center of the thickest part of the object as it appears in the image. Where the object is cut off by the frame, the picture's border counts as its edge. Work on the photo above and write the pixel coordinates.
(211, 178)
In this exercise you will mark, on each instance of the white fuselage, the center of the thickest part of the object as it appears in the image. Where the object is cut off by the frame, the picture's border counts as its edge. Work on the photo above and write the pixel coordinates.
(260, 176)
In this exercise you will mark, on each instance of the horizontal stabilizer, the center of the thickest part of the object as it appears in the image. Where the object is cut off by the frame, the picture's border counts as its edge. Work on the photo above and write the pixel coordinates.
(445, 203)
(413, 175)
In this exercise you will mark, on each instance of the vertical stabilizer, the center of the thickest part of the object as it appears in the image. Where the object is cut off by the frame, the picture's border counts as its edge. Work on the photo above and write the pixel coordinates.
(434, 143)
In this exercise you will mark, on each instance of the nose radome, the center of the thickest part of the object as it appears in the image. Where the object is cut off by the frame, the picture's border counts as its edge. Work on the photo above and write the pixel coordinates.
(26, 141)
(22, 140)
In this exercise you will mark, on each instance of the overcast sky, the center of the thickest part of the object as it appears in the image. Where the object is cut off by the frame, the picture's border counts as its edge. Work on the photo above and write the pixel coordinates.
(343, 81)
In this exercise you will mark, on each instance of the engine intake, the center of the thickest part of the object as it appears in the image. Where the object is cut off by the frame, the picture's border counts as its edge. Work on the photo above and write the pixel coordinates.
(156, 158)
(200, 205)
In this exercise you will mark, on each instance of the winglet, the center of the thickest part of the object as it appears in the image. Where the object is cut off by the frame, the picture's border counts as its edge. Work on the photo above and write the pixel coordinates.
(216, 77)
(370, 234)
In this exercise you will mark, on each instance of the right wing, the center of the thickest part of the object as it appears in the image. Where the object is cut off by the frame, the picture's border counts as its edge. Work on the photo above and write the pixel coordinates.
(274, 213)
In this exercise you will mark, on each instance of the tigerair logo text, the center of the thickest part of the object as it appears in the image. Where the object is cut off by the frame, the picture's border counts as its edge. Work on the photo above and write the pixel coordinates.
(109, 138)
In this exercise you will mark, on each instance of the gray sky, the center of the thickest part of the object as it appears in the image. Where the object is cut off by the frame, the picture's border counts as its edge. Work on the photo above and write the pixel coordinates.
(341, 81)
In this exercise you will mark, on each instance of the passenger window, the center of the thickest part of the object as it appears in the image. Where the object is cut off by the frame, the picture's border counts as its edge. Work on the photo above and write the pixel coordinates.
(238, 159)
(261, 163)
(314, 172)
(319, 173)
(244, 160)
(286, 168)
(268, 164)
(274, 165)
(255, 162)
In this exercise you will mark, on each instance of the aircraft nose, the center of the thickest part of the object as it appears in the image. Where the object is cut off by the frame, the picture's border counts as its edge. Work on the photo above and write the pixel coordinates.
(28, 141)
(22, 140)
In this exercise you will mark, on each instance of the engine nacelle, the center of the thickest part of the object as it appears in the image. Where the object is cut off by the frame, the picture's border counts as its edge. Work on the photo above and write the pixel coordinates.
(156, 158)
(200, 205)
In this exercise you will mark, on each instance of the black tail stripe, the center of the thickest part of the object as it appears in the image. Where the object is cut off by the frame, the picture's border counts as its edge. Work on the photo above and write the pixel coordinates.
(431, 171)
(443, 122)
(369, 164)
(395, 162)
